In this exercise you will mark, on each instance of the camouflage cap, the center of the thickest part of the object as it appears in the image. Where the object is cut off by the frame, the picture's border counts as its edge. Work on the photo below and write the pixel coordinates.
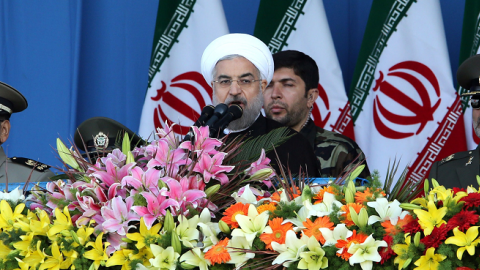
(100, 133)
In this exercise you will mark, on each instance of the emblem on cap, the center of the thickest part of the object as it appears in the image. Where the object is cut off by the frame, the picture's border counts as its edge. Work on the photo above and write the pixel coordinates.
(100, 141)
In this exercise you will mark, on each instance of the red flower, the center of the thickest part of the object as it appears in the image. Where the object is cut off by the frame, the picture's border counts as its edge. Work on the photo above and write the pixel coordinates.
(456, 189)
(386, 252)
(471, 200)
(412, 227)
(438, 235)
(463, 220)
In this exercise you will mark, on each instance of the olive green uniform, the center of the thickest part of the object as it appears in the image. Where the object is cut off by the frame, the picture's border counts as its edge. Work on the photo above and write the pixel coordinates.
(457, 170)
(19, 170)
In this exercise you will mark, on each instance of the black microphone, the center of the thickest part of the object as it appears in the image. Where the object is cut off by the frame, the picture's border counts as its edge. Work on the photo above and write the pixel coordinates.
(219, 111)
(207, 112)
(234, 112)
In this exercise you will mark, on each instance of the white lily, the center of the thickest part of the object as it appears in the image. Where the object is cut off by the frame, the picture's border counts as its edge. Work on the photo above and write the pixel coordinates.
(209, 229)
(366, 253)
(247, 196)
(251, 225)
(290, 251)
(313, 259)
(386, 210)
(237, 245)
(325, 208)
(15, 196)
(187, 231)
(340, 232)
(164, 258)
(195, 257)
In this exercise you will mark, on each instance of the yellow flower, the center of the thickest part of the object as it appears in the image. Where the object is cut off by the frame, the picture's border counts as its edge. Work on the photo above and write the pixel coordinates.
(120, 257)
(7, 216)
(54, 262)
(98, 253)
(24, 246)
(4, 251)
(84, 233)
(431, 218)
(145, 237)
(401, 251)
(70, 256)
(145, 254)
(62, 221)
(36, 257)
(466, 241)
(430, 260)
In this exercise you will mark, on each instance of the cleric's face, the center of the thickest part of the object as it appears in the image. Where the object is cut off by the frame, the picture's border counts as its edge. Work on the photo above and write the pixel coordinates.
(245, 90)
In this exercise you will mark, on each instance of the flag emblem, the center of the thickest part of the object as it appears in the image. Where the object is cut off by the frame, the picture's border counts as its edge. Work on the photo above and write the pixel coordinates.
(416, 111)
(196, 91)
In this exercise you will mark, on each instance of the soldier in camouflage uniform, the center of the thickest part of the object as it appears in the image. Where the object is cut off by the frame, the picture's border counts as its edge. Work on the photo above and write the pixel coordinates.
(289, 99)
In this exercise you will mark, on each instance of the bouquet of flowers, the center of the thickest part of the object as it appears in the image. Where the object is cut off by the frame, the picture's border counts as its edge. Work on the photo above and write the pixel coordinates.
(128, 205)
(444, 231)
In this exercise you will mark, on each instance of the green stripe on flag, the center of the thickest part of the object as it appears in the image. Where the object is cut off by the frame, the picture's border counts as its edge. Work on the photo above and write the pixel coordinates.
(470, 38)
(172, 17)
(276, 20)
(384, 17)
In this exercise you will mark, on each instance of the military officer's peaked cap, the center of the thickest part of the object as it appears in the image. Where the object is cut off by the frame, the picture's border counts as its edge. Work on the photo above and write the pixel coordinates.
(99, 133)
(11, 101)
(468, 75)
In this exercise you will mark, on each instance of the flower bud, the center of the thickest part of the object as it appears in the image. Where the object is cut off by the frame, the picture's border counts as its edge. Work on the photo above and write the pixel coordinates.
(177, 246)
(434, 183)
(425, 187)
(261, 174)
(212, 190)
(416, 239)
(478, 180)
(349, 196)
(224, 227)
(168, 225)
(75, 237)
(66, 155)
(353, 215)
(130, 158)
(65, 233)
(406, 263)
(126, 145)
(362, 218)
(410, 206)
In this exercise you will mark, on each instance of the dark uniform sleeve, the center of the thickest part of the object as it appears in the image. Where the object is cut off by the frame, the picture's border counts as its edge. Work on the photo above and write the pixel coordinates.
(433, 171)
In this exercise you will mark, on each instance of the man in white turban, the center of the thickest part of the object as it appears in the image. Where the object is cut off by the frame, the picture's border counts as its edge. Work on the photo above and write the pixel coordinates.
(239, 67)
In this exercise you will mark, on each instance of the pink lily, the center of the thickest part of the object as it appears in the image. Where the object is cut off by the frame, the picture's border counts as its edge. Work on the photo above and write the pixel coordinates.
(211, 167)
(202, 142)
(141, 180)
(170, 159)
(179, 190)
(113, 174)
(168, 135)
(156, 207)
(262, 163)
(117, 214)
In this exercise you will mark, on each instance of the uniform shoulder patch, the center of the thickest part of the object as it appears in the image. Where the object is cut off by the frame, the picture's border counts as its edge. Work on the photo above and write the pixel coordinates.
(448, 158)
(38, 166)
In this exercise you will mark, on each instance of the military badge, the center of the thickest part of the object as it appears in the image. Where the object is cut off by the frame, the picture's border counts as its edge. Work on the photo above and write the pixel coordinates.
(100, 141)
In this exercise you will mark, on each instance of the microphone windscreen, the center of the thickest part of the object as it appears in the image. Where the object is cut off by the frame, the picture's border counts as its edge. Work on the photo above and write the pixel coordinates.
(207, 112)
(236, 111)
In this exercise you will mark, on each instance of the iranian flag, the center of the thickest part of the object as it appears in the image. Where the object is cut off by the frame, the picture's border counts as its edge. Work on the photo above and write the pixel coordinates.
(177, 91)
(470, 46)
(303, 26)
(403, 101)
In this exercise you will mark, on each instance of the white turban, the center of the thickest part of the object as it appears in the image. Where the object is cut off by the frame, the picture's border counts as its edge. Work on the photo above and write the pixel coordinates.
(244, 45)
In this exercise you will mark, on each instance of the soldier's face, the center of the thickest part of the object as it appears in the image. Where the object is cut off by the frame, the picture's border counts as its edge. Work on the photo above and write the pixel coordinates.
(285, 99)
(249, 97)
(476, 116)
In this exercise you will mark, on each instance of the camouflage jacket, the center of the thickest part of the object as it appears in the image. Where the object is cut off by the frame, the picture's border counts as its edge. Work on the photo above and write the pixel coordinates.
(334, 151)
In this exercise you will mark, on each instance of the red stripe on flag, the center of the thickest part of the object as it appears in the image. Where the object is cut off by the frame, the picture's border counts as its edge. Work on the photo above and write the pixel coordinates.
(180, 106)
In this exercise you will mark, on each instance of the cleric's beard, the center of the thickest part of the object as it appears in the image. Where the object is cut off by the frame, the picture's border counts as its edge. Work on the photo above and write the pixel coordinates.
(250, 112)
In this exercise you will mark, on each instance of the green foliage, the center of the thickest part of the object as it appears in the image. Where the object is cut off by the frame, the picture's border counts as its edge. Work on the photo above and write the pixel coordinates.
(250, 150)
(286, 210)
(139, 200)
(165, 240)
(223, 266)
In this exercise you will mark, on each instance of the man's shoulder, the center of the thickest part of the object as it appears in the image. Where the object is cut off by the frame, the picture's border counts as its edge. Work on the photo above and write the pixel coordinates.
(327, 137)
(457, 157)
(21, 169)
